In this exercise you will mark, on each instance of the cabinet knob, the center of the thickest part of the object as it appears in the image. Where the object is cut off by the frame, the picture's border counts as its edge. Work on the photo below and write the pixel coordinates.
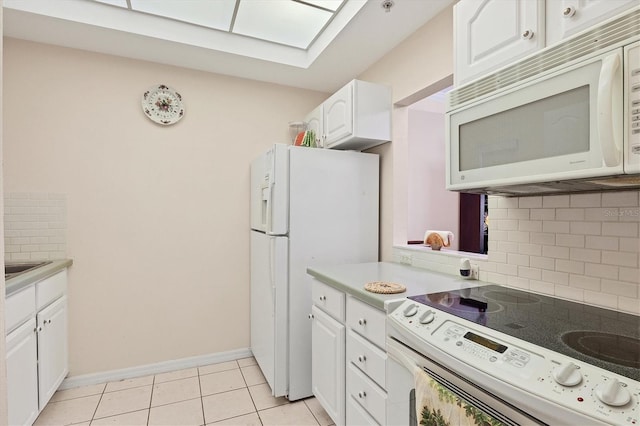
(48, 321)
(39, 328)
(362, 358)
(362, 321)
(569, 12)
(527, 35)
(362, 394)
(323, 298)
(310, 316)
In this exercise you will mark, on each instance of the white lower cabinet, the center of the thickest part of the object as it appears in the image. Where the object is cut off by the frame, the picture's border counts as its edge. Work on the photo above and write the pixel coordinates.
(22, 374)
(348, 357)
(37, 349)
(327, 364)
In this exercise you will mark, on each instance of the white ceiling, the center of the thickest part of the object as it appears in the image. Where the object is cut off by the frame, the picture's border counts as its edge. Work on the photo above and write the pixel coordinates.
(360, 34)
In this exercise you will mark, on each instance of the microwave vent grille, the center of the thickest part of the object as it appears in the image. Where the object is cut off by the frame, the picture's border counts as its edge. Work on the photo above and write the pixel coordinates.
(608, 34)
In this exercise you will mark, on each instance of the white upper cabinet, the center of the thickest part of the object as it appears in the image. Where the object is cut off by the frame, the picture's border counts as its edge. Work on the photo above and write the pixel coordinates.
(568, 17)
(356, 117)
(493, 33)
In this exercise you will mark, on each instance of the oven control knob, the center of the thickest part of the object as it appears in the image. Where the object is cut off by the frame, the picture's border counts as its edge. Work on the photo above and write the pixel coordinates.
(567, 374)
(613, 393)
(427, 317)
(410, 310)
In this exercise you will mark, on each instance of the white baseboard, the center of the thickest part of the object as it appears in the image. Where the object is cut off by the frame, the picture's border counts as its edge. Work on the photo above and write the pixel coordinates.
(160, 367)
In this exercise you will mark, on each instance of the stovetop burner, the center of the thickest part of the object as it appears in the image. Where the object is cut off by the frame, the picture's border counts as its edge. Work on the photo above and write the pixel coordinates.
(602, 337)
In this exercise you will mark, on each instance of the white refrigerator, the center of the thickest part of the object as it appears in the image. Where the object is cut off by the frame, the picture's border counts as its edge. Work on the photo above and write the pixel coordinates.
(309, 206)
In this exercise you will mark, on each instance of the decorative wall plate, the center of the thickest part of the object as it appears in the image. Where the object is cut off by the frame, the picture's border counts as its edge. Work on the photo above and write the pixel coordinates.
(163, 105)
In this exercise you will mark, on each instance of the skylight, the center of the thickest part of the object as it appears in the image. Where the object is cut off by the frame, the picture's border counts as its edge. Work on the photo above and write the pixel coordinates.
(294, 23)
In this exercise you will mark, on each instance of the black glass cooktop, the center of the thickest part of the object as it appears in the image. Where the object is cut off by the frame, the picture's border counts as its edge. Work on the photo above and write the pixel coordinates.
(602, 337)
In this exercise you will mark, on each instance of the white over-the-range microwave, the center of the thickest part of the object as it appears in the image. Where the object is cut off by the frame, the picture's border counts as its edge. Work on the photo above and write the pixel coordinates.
(566, 119)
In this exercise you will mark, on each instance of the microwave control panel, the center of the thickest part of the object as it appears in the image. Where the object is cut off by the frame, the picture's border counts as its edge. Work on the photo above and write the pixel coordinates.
(632, 107)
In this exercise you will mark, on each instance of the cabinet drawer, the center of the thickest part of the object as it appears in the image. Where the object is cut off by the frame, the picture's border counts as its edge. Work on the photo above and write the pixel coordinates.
(366, 393)
(366, 320)
(51, 288)
(19, 307)
(367, 357)
(328, 299)
(356, 415)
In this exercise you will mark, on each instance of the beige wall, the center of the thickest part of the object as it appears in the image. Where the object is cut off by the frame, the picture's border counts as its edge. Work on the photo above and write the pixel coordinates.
(158, 217)
(3, 370)
(419, 66)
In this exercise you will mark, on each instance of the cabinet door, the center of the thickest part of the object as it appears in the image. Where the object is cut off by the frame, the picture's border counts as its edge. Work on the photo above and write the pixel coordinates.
(52, 349)
(568, 17)
(328, 364)
(22, 374)
(314, 123)
(492, 33)
(337, 116)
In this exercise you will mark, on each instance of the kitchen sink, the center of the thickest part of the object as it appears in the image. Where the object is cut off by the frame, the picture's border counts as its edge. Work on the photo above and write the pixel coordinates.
(12, 270)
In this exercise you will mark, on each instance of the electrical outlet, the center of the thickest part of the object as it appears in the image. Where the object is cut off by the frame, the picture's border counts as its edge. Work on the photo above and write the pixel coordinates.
(475, 271)
(406, 258)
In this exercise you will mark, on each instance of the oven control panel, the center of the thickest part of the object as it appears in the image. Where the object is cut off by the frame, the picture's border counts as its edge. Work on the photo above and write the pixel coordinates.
(533, 375)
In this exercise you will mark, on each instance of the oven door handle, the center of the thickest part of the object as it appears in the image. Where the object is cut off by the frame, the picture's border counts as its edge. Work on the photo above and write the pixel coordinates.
(397, 352)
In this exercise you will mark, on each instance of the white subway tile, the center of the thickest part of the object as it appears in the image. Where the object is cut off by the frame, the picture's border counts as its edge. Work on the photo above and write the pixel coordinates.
(518, 236)
(508, 202)
(498, 213)
(620, 288)
(497, 235)
(506, 269)
(530, 249)
(629, 305)
(586, 200)
(530, 225)
(601, 243)
(555, 252)
(518, 282)
(570, 214)
(493, 201)
(568, 240)
(488, 266)
(620, 258)
(619, 229)
(530, 202)
(630, 244)
(497, 256)
(505, 224)
(620, 199)
(555, 201)
(529, 273)
(629, 214)
(542, 262)
(20, 256)
(542, 214)
(609, 301)
(570, 266)
(507, 246)
(584, 282)
(496, 278)
(605, 214)
(542, 287)
(555, 277)
(602, 271)
(556, 227)
(586, 228)
(520, 214)
(631, 275)
(12, 248)
(517, 259)
(548, 239)
(584, 255)
(570, 293)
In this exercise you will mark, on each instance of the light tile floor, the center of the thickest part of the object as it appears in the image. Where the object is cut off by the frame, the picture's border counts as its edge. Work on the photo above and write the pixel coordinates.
(228, 393)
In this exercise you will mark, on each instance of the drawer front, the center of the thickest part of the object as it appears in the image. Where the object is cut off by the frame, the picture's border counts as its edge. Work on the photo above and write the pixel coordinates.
(366, 320)
(367, 394)
(356, 415)
(19, 307)
(328, 299)
(51, 288)
(367, 357)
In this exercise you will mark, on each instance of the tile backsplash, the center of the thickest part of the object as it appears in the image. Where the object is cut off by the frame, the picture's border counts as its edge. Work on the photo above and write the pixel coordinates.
(583, 247)
(35, 226)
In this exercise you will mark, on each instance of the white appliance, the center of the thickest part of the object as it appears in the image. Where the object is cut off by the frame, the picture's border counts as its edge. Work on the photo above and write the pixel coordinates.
(563, 120)
(308, 207)
(515, 356)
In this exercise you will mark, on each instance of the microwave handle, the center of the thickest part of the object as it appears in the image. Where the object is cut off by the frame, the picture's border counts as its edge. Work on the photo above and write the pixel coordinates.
(606, 134)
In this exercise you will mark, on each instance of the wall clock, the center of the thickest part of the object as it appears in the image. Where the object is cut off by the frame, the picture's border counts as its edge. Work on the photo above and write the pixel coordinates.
(163, 105)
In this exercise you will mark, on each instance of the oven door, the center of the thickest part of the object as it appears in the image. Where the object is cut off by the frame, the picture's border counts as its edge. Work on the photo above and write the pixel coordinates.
(440, 395)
